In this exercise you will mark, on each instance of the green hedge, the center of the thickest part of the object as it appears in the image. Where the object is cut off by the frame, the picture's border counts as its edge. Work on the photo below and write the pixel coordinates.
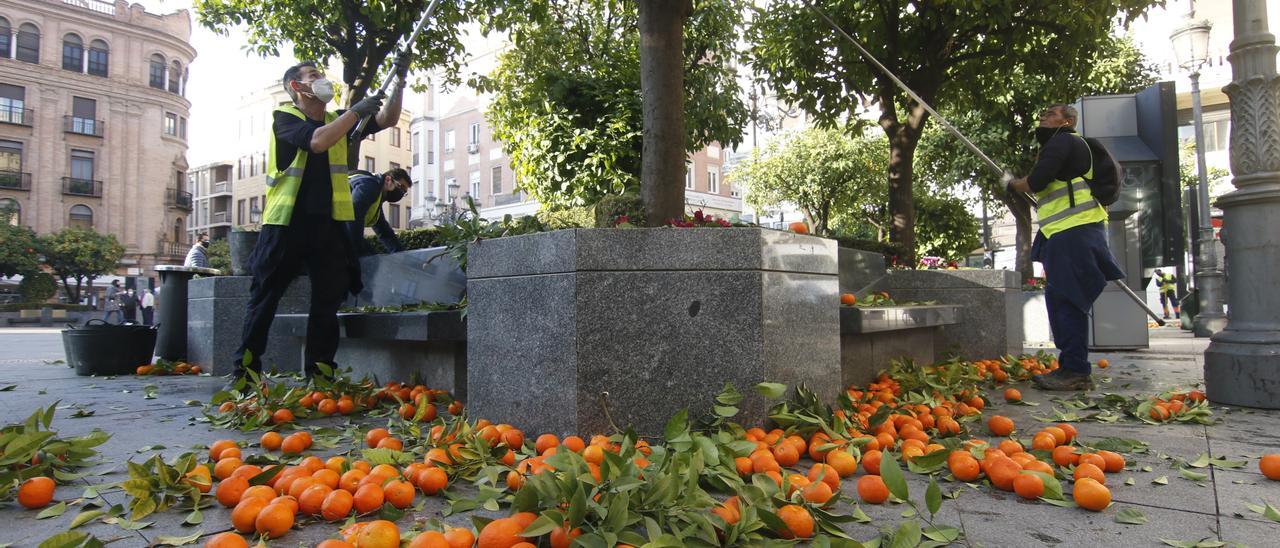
(15, 307)
(414, 238)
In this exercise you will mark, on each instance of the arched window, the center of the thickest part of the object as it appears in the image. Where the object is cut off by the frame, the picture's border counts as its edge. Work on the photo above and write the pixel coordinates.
(72, 53)
(99, 54)
(157, 71)
(81, 216)
(178, 230)
(10, 208)
(28, 43)
(6, 39)
(175, 77)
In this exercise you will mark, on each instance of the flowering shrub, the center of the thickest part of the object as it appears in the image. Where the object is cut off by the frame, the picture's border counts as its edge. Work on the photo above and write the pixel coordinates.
(1033, 284)
(700, 220)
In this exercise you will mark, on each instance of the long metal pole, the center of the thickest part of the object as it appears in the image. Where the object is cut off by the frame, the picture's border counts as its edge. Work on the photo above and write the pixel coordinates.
(408, 45)
(1209, 319)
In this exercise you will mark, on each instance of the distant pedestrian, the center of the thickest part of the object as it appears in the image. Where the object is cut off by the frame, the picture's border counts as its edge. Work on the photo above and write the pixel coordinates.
(197, 256)
(1168, 293)
(148, 306)
(129, 304)
(112, 304)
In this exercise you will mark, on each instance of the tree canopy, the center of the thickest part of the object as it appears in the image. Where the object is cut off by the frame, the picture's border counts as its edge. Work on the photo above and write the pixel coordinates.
(567, 96)
(18, 253)
(954, 55)
(80, 254)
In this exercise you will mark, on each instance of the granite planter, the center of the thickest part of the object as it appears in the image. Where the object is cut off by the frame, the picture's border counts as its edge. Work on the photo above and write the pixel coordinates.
(860, 269)
(872, 337)
(990, 323)
(216, 308)
(568, 330)
(241, 243)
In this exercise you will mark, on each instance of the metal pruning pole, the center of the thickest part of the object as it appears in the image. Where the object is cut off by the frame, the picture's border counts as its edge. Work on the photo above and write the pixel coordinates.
(389, 78)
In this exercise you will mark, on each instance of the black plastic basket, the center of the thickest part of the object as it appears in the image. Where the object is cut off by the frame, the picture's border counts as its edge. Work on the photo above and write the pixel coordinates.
(100, 348)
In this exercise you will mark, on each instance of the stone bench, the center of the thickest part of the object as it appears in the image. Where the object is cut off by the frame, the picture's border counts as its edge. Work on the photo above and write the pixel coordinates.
(872, 337)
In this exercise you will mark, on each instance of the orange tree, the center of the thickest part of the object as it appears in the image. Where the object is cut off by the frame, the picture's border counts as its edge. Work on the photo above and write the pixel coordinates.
(949, 53)
(80, 254)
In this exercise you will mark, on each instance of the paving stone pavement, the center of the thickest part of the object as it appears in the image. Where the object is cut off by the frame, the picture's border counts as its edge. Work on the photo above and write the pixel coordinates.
(1180, 510)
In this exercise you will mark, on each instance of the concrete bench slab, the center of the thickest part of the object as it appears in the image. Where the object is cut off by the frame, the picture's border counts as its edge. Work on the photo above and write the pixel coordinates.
(871, 337)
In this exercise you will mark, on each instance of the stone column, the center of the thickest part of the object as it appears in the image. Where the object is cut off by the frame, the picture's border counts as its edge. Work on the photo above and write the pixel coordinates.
(1242, 363)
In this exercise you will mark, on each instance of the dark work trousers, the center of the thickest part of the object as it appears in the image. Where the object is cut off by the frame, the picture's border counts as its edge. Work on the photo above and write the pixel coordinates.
(1077, 266)
(279, 256)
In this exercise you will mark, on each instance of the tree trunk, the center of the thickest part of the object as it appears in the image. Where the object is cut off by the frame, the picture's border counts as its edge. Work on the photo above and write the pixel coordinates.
(662, 89)
(902, 211)
(1021, 210)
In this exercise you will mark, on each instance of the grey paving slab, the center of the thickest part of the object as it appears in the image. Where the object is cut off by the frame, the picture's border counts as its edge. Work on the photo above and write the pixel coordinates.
(1235, 489)
(1046, 525)
(1256, 534)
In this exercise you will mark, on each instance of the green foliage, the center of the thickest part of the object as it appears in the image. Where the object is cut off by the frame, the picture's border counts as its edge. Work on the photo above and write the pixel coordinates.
(470, 229)
(567, 100)
(1189, 174)
(37, 287)
(18, 248)
(80, 254)
(888, 249)
(32, 449)
(611, 208)
(944, 227)
(414, 238)
(825, 172)
(219, 255)
(572, 217)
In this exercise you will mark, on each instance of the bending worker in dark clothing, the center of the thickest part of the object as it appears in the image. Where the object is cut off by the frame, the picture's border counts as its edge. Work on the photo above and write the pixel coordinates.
(368, 192)
(308, 202)
(1071, 244)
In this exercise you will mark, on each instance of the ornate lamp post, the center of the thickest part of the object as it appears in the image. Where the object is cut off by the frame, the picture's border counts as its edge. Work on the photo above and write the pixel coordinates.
(1191, 46)
(1242, 363)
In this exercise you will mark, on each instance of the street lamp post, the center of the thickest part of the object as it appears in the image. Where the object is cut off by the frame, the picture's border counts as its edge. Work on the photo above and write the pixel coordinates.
(1191, 46)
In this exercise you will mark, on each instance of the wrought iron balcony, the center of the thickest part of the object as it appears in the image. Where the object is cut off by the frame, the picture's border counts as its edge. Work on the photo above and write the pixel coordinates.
(220, 218)
(180, 199)
(81, 187)
(83, 126)
(15, 180)
(17, 115)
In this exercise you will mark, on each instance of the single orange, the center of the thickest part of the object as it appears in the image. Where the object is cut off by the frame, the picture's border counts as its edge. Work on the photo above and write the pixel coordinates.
(36, 492)
(1028, 486)
(372, 437)
(245, 514)
(798, 520)
(1091, 495)
(432, 481)
(231, 490)
(368, 498)
(337, 505)
(226, 540)
(1269, 465)
(1087, 470)
(271, 441)
(872, 490)
(1000, 425)
(398, 493)
(311, 502)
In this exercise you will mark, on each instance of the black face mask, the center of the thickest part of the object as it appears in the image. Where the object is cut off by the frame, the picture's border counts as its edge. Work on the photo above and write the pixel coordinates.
(393, 195)
(1043, 134)
(204, 244)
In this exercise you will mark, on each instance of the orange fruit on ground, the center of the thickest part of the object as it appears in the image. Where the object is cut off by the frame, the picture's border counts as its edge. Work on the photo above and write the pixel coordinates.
(1070, 430)
(1114, 462)
(346, 406)
(245, 514)
(336, 505)
(1043, 441)
(398, 493)
(377, 534)
(562, 537)
(282, 416)
(798, 521)
(1010, 447)
(1000, 425)
(263, 492)
(293, 444)
(368, 497)
(335, 543)
(729, 511)
(223, 469)
(872, 490)
(871, 462)
(1012, 395)
(786, 455)
(230, 490)
(226, 540)
(215, 450)
(744, 467)
(1059, 435)
(827, 473)
(513, 438)
(1091, 495)
(799, 227)
(1002, 471)
(544, 442)
(1037, 466)
(1103, 363)
(271, 441)
(327, 477)
(848, 299)
(372, 437)
(1094, 459)
(844, 463)
(501, 533)
(350, 481)
(593, 454)
(297, 486)
(429, 539)
(311, 502)
(327, 407)
(432, 481)
(574, 443)
(515, 480)
(1270, 466)
(1028, 486)
(819, 492)
(1065, 455)
(965, 468)
(246, 471)
(36, 492)
(393, 444)
(1090, 471)
(459, 537)
(285, 500)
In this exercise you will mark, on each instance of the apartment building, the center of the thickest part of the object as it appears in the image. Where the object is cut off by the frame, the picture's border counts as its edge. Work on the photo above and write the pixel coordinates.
(247, 172)
(211, 196)
(93, 123)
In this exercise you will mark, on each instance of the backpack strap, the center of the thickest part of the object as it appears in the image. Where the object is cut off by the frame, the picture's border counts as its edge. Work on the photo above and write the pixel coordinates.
(1071, 189)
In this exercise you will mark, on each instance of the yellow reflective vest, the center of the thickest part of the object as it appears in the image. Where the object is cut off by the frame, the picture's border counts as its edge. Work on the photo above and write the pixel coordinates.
(283, 185)
(1168, 282)
(1054, 210)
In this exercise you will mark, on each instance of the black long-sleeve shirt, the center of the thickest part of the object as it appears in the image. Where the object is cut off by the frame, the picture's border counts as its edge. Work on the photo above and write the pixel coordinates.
(315, 198)
(1063, 158)
(365, 190)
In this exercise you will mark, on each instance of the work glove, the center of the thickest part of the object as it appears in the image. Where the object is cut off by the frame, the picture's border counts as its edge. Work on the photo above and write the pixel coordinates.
(402, 65)
(1007, 179)
(368, 106)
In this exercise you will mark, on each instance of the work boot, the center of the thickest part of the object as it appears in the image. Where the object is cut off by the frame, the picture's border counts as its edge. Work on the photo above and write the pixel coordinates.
(1063, 381)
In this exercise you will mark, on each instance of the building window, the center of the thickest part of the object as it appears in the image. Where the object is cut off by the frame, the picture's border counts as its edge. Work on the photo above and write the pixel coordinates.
(177, 230)
(82, 165)
(369, 164)
(713, 179)
(473, 136)
(99, 54)
(394, 219)
(6, 39)
(240, 211)
(171, 124)
(413, 148)
(10, 157)
(81, 216)
(395, 137)
(175, 78)
(431, 147)
(688, 176)
(157, 71)
(1217, 134)
(182, 128)
(12, 209)
(254, 213)
(448, 140)
(28, 43)
(84, 114)
(393, 166)
(72, 53)
(474, 179)
(497, 180)
(12, 104)
(733, 190)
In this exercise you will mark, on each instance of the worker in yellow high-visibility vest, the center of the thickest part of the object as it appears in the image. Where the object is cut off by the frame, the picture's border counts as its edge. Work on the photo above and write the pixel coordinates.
(1071, 244)
(308, 203)
(1168, 293)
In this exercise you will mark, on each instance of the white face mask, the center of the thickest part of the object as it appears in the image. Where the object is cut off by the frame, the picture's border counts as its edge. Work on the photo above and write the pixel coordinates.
(322, 89)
